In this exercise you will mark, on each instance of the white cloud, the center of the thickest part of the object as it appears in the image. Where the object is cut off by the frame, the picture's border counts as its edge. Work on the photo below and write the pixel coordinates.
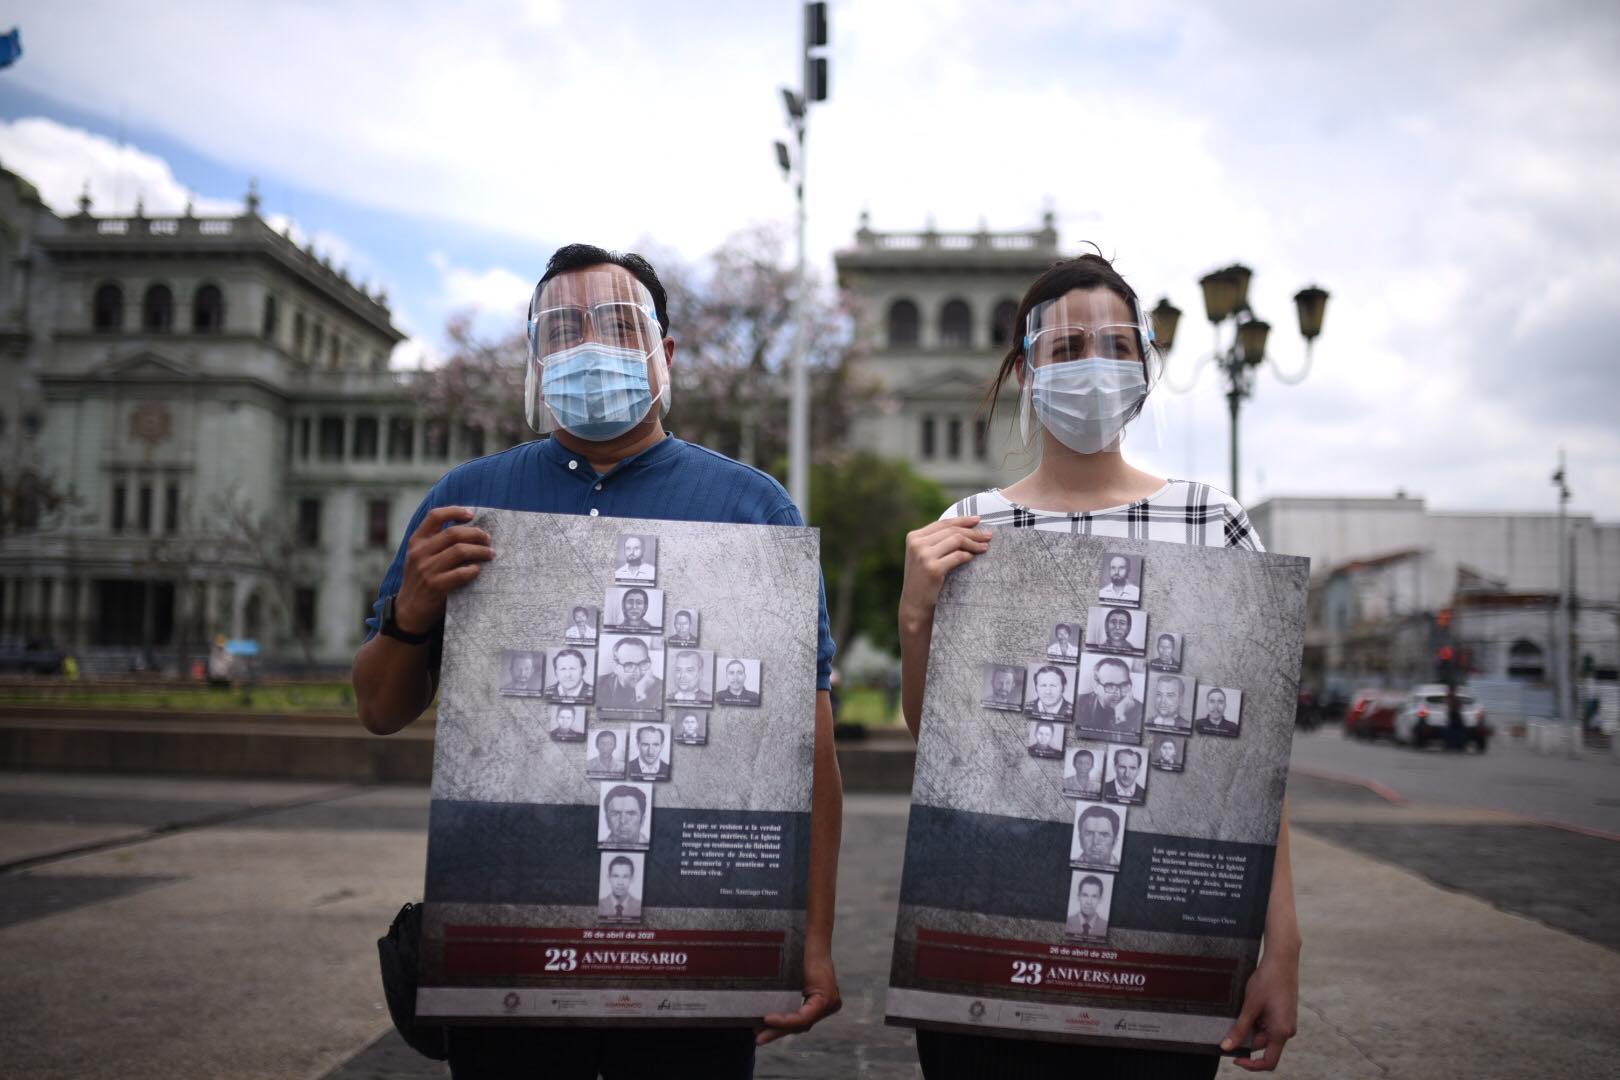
(494, 291)
(1437, 167)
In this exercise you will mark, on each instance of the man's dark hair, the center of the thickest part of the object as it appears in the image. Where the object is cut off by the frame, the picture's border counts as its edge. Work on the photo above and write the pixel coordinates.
(1077, 756)
(575, 653)
(1171, 638)
(1098, 812)
(1089, 879)
(628, 593)
(1137, 757)
(579, 256)
(1063, 680)
(1110, 660)
(656, 731)
(607, 734)
(622, 860)
(619, 791)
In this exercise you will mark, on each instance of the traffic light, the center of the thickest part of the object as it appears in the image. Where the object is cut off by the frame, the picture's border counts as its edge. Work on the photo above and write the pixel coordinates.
(815, 37)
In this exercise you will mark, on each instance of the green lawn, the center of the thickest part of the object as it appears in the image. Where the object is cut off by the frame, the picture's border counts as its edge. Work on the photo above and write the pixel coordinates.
(865, 705)
(270, 698)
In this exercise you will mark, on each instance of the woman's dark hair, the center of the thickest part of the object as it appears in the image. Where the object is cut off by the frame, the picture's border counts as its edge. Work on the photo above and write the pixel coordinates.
(1086, 271)
(579, 256)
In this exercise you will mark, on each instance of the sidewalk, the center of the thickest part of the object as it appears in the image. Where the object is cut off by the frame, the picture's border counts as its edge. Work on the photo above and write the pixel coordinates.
(244, 947)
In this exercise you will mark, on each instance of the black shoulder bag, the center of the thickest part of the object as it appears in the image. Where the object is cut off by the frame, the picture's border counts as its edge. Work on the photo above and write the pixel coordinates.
(397, 955)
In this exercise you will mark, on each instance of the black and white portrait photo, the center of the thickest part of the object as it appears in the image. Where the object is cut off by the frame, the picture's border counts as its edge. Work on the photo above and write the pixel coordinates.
(1166, 652)
(1090, 895)
(1121, 580)
(568, 723)
(1218, 711)
(634, 609)
(626, 819)
(631, 685)
(739, 681)
(1126, 780)
(1116, 630)
(692, 727)
(620, 887)
(608, 745)
(683, 628)
(1045, 739)
(649, 752)
(1063, 645)
(691, 677)
(569, 672)
(1109, 701)
(581, 629)
(1003, 687)
(1099, 836)
(1083, 770)
(1167, 753)
(1170, 702)
(1049, 692)
(638, 558)
(523, 673)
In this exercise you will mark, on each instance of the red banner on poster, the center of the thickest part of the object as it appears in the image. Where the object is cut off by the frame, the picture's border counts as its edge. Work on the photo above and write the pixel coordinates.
(564, 952)
(1074, 969)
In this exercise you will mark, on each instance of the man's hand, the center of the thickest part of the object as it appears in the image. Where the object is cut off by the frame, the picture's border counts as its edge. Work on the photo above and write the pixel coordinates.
(1270, 1011)
(437, 562)
(821, 998)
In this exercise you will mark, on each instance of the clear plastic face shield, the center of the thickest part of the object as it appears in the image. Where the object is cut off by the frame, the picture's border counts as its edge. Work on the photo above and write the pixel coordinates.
(596, 362)
(1089, 366)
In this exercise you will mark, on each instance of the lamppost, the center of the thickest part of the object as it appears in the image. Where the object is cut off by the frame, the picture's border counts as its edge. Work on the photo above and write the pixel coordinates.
(1226, 297)
(1565, 661)
(814, 88)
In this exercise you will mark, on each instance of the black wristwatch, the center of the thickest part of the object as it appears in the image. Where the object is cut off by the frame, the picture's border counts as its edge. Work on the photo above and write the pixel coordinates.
(392, 629)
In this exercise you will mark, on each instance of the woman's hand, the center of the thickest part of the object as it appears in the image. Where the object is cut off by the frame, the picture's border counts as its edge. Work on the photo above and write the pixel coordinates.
(1270, 1010)
(932, 552)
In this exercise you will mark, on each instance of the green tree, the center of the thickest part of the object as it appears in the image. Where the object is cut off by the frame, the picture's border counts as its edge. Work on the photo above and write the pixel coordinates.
(864, 506)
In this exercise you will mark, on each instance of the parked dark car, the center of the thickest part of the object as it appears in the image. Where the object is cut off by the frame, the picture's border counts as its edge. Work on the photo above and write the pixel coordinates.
(32, 657)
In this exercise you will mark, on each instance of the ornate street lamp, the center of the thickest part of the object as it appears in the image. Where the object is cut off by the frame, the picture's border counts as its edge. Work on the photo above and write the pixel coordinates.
(1226, 298)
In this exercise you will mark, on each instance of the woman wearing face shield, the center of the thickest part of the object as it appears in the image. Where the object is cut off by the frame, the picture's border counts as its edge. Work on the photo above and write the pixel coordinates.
(1085, 368)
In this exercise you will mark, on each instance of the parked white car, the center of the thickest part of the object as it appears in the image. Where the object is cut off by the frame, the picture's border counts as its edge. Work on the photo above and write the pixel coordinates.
(1423, 719)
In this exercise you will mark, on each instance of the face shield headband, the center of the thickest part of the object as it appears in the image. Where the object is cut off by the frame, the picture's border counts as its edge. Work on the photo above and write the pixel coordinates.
(1089, 365)
(595, 363)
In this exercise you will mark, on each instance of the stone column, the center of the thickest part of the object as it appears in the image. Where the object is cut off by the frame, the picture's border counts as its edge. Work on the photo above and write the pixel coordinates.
(84, 601)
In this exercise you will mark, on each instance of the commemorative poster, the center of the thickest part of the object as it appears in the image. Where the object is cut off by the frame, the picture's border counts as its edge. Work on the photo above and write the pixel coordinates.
(620, 821)
(1099, 785)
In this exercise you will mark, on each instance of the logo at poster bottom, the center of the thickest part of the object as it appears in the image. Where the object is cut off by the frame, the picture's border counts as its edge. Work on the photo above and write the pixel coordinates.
(511, 1001)
(976, 1010)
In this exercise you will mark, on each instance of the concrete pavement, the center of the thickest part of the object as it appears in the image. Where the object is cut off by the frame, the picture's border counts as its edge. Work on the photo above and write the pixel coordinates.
(208, 929)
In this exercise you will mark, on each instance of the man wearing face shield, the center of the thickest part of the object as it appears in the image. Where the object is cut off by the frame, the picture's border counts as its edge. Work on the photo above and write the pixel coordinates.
(1085, 368)
(598, 385)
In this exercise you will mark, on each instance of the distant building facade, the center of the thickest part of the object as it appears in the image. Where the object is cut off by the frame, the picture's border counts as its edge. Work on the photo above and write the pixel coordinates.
(934, 313)
(1393, 581)
(214, 409)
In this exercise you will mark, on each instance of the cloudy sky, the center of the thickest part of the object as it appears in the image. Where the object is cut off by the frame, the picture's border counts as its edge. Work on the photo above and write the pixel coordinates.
(1437, 167)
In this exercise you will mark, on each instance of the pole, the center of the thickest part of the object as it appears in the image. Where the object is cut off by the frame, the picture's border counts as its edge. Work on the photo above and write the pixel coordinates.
(1234, 398)
(799, 405)
(1566, 669)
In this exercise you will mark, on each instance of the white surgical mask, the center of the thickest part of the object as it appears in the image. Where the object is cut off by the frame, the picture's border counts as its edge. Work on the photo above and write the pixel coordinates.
(1085, 404)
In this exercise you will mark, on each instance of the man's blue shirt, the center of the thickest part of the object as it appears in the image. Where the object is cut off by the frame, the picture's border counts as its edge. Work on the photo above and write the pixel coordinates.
(671, 480)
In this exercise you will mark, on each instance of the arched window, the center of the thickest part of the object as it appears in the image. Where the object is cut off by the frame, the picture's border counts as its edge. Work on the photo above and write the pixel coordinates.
(271, 317)
(207, 310)
(955, 325)
(1001, 327)
(157, 310)
(1526, 660)
(903, 323)
(107, 309)
(298, 333)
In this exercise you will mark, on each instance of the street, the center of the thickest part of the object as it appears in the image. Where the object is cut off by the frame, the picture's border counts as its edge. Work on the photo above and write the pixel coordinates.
(185, 928)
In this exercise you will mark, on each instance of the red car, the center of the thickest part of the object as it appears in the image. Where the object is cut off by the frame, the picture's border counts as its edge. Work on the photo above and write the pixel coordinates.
(1372, 714)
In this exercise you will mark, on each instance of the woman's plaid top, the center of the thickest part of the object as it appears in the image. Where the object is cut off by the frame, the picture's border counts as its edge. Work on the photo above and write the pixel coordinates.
(1181, 512)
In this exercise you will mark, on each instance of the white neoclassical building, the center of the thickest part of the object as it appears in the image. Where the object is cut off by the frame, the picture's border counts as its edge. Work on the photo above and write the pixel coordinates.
(215, 404)
(934, 312)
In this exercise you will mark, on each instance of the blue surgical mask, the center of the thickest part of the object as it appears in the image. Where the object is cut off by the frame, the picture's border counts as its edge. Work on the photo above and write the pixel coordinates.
(597, 392)
(1085, 404)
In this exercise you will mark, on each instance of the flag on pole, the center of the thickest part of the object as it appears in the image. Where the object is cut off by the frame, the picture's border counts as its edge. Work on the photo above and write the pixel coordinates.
(10, 47)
